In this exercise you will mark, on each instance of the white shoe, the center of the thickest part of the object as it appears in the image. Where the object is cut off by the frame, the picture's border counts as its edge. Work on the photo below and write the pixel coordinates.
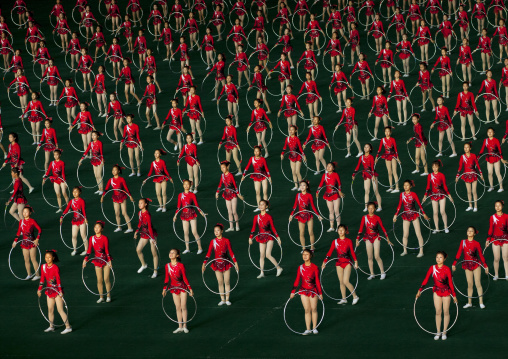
(383, 276)
(316, 173)
(139, 174)
(355, 300)
(424, 174)
(256, 210)
(314, 331)
(365, 209)
(186, 251)
(348, 155)
(50, 329)
(195, 191)
(185, 330)
(159, 209)
(453, 155)
(360, 154)
(132, 174)
(439, 154)
(59, 210)
(100, 300)
(469, 209)
(342, 301)
(443, 336)
(228, 302)
(373, 139)
(97, 192)
(307, 332)
(118, 229)
(230, 229)
(237, 229)
(447, 230)
(419, 255)
(36, 277)
(108, 300)
(379, 209)
(500, 190)
(396, 190)
(415, 171)
(31, 190)
(66, 331)
(154, 275)
(238, 174)
(279, 271)
(261, 275)
(178, 330)
(331, 229)
(148, 126)
(83, 253)
(221, 303)
(156, 128)
(74, 253)
(495, 277)
(371, 277)
(467, 306)
(389, 190)
(490, 189)
(437, 336)
(200, 142)
(199, 251)
(475, 210)
(142, 268)
(403, 254)
(294, 188)
(482, 306)
(130, 230)
(163, 210)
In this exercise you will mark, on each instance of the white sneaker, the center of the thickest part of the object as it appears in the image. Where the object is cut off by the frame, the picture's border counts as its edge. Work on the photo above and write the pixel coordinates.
(342, 301)
(453, 155)
(178, 330)
(348, 155)
(230, 229)
(139, 174)
(279, 271)
(58, 210)
(294, 188)
(403, 254)
(355, 300)
(118, 229)
(142, 268)
(360, 154)
(469, 209)
(83, 253)
(482, 306)
(475, 210)
(154, 275)
(195, 191)
(365, 209)
(396, 190)
(186, 251)
(447, 230)
(148, 126)
(307, 332)
(31, 190)
(237, 229)
(379, 209)
(228, 302)
(74, 253)
(419, 255)
(314, 331)
(238, 174)
(415, 171)
(389, 190)
(371, 277)
(132, 174)
(383, 276)
(331, 229)
(108, 300)
(424, 174)
(36, 277)
(185, 330)
(100, 300)
(50, 329)
(467, 306)
(434, 231)
(199, 251)
(490, 189)
(443, 336)
(66, 331)
(439, 154)
(437, 336)
(221, 303)
(130, 230)
(261, 275)
(500, 190)
(256, 210)
(200, 142)
(159, 209)
(495, 277)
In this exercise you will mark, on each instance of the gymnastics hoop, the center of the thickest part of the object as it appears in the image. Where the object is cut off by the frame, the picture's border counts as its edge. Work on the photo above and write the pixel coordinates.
(467, 123)
(299, 29)
(134, 160)
(188, 295)
(458, 290)
(427, 12)
(410, 111)
(110, 59)
(169, 20)
(219, 161)
(294, 216)
(66, 98)
(29, 113)
(44, 196)
(370, 77)
(11, 53)
(45, 80)
(333, 97)
(64, 304)
(112, 273)
(80, 9)
(499, 9)
(254, 31)
(398, 175)
(298, 116)
(477, 180)
(240, 63)
(245, 17)
(320, 99)
(217, 21)
(499, 110)
(269, 126)
(386, 269)
(202, 50)
(323, 287)
(247, 98)
(275, 240)
(401, 66)
(372, 48)
(370, 192)
(426, 226)
(150, 241)
(197, 163)
(428, 331)
(111, 118)
(61, 235)
(15, 9)
(231, 36)
(341, 125)
(249, 175)
(274, 23)
(316, 68)
(454, 210)
(217, 198)
(37, 151)
(366, 23)
(419, 107)
(200, 212)
(444, 149)
(10, 254)
(172, 185)
(56, 36)
(327, 146)
(276, 93)
(224, 260)
(82, 88)
(70, 131)
(449, 73)
(491, 244)
(322, 316)
(380, 77)
(422, 146)
(77, 174)
(340, 198)
(290, 179)
(501, 164)
(225, 97)
(454, 43)
(133, 207)
(431, 53)
(318, 49)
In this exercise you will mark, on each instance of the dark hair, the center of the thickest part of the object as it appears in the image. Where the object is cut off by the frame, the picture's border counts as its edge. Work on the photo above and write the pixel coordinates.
(343, 226)
(500, 201)
(308, 251)
(78, 188)
(53, 253)
(443, 253)
(474, 228)
(178, 258)
(307, 183)
(118, 168)
(15, 136)
(267, 202)
(220, 225)
(372, 203)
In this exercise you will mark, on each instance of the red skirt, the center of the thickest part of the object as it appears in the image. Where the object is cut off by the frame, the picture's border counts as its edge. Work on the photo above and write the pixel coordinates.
(489, 97)
(331, 195)
(442, 126)
(469, 265)
(311, 98)
(102, 262)
(77, 220)
(160, 179)
(442, 292)
(263, 238)
(389, 156)
(220, 265)
(175, 290)
(437, 196)
(52, 293)
(56, 180)
(318, 145)
(499, 241)
(84, 129)
(118, 197)
(258, 177)
(294, 157)
(308, 292)
(371, 238)
(304, 217)
(35, 118)
(368, 175)
(26, 244)
(492, 159)
(470, 177)
(228, 194)
(410, 216)
(71, 103)
(188, 214)
(283, 77)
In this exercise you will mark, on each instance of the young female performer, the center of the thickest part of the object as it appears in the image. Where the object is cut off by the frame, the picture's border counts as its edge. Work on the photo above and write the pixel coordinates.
(186, 205)
(118, 115)
(35, 113)
(79, 220)
(146, 234)
(85, 67)
(364, 75)
(438, 191)
(351, 127)
(14, 159)
(259, 83)
(177, 284)
(195, 112)
(102, 260)
(341, 85)
(291, 103)
(410, 214)
(231, 144)
(443, 288)
(151, 102)
(490, 96)
(220, 78)
(86, 126)
(310, 289)
(305, 204)
(189, 154)
(259, 121)
(52, 77)
(420, 145)
(470, 175)
(21, 89)
(159, 170)
(133, 144)
(498, 237)
(71, 100)
(332, 195)
(405, 52)
(232, 97)
(295, 156)
(260, 176)
(221, 247)
(310, 60)
(312, 95)
(230, 195)
(425, 86)
(57, 169)
(26, 229)
(445, 72)
(264, 237)
(444, 125)
(345, 259)
(319, 142)
(51, 275)
(126, 76)
(494, 157)
(473, 257)
(369, 175)
(119, 198)
(466, 61)
(391, 157)
(466, 106)
(97, 159)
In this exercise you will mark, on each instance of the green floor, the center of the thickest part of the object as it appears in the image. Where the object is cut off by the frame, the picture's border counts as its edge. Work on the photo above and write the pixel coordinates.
(134, 325)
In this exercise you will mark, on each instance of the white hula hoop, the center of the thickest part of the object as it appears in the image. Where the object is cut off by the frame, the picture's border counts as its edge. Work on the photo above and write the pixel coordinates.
(341, 199)
(289, 232)
(323, 287)
(79, 181)
(133, 207)
(233, 266)
(220, 213)
(492, 244)
(249, 175)
(275, 240)
(112, 273)
(61, 235)
(70, 131)
(420, 217)
(44, 196)
(322, 316)
(134, 160)
(290, 179)
(204, 230)
(428, 331)
(172, 185)
(465, 295)
(386, 269)
(64, 303)
(10, 254)
(188, 295)
(454, 211)
(478, 179)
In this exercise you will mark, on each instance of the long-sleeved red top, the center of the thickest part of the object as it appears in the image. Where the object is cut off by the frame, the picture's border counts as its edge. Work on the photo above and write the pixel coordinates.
(100, 247)
(117, 184)
(51, 275)
(27, 228)
(145, 226)
(344, 250)
(309, 278)
(409, 201)
(442, 278)
(470, 165)
(221, 247)
(472, 252)
(265, 224)
(436, 185)
(304, 202)
(158, 168)
(57, 170)
(371, 223)
(176, 277)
